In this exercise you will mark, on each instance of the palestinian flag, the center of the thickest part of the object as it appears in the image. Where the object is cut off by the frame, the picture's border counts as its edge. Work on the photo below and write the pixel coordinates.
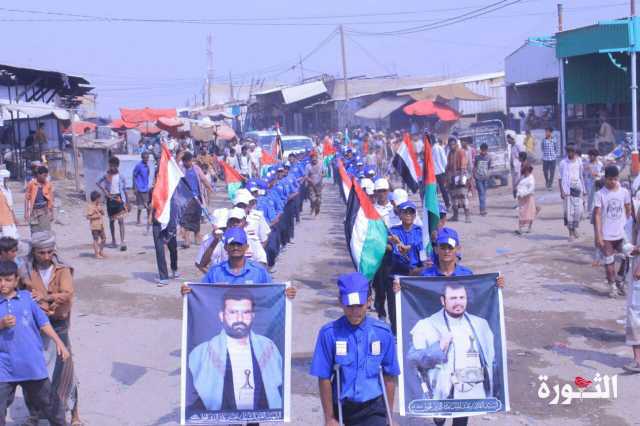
(345, 181)
(328, 152)
(232, 178)
(266, 160)
(168, 179)
(365, 232)
(406, 164)
(431, 210)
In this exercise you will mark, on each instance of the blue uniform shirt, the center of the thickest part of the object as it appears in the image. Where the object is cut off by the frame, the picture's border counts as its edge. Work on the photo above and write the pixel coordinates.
(192, 178)
(266, 208)
(360, 351)
(434, 271)
(141, 177)
(21, 352)
(252, 273)
(402, 264)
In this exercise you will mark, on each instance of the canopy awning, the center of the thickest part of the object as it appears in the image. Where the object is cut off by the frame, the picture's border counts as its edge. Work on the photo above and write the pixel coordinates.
(447, 92)
(32, 110)
(169, 122)
(121, 124)
(146, 114)
(303, 91)
(383, 107)
(209, 131)
(79, 127)
(428, 108)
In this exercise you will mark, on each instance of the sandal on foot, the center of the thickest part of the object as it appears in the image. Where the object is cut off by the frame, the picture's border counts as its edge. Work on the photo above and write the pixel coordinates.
(633, 367)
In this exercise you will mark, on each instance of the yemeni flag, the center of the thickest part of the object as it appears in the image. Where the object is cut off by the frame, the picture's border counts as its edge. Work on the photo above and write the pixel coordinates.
(365, 232)
(406, 164)
(431, 210)
(345, 181)
(168, 180)
(232, 178)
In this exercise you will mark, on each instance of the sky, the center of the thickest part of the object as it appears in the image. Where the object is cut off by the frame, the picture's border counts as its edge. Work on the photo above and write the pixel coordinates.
(133, 63)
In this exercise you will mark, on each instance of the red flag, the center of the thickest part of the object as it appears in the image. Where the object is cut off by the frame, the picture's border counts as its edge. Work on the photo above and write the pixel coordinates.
(231, 175)
(266, 158)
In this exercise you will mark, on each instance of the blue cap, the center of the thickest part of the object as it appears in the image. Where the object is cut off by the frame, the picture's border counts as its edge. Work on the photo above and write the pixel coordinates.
(448, 236)
(408, 205)
(370, 171)
(235, 235)
(442, 207)
(354, 289)
(262, 184)
(280, 167)
(361, 174)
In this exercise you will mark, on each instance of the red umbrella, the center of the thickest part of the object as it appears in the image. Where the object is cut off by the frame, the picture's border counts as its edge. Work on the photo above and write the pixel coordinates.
(426, 108)
(121, 124)
(148, 128)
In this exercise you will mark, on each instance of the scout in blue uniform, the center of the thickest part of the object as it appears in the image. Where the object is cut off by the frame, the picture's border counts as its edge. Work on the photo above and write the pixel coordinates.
(447, 247)
(359, 346)
(406, 243)
(238, 269)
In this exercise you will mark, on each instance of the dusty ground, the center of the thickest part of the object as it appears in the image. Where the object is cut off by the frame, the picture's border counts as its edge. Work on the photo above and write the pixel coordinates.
(126, 331)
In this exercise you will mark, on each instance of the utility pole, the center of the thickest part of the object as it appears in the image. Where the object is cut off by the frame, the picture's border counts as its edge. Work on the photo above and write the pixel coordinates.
(635, 157)
(209, 68)
(560, 17)
(344, 65)
(563, 107)
(74, 142)
(231, 98)
(301, 70)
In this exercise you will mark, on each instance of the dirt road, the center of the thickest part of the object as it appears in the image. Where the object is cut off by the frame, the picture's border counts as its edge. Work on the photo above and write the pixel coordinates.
(126, 331)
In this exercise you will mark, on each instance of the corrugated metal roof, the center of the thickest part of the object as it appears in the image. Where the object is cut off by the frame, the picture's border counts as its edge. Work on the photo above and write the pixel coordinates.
(383, 107)
(303, 91)
(448, 92)
(612, 36)
(531, 63)
(359, 87)
(466, 79)
(31, 110)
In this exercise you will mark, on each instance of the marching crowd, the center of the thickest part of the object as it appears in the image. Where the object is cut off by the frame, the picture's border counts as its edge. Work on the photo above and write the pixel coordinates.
(247, 236)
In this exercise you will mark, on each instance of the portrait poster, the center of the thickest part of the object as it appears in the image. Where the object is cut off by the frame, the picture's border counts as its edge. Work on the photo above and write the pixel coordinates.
(453, 358)
(236, 354)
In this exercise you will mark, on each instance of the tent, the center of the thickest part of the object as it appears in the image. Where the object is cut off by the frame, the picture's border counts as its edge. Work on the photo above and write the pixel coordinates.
(428, 108)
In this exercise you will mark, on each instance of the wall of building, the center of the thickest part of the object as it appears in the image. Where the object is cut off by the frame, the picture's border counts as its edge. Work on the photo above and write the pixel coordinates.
(494, 88)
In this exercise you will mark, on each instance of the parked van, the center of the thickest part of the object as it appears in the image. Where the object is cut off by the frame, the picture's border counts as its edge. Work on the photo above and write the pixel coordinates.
(492, 133)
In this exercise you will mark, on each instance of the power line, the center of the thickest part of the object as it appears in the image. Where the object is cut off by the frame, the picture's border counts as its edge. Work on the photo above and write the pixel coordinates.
(370, 55)
(445, 22)
(63, 17)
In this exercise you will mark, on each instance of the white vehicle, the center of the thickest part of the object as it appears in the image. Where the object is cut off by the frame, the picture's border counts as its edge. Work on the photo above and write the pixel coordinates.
(295, 145)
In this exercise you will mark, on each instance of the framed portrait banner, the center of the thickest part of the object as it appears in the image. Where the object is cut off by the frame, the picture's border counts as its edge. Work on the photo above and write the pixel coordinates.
(451, 346)
(236, 354)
